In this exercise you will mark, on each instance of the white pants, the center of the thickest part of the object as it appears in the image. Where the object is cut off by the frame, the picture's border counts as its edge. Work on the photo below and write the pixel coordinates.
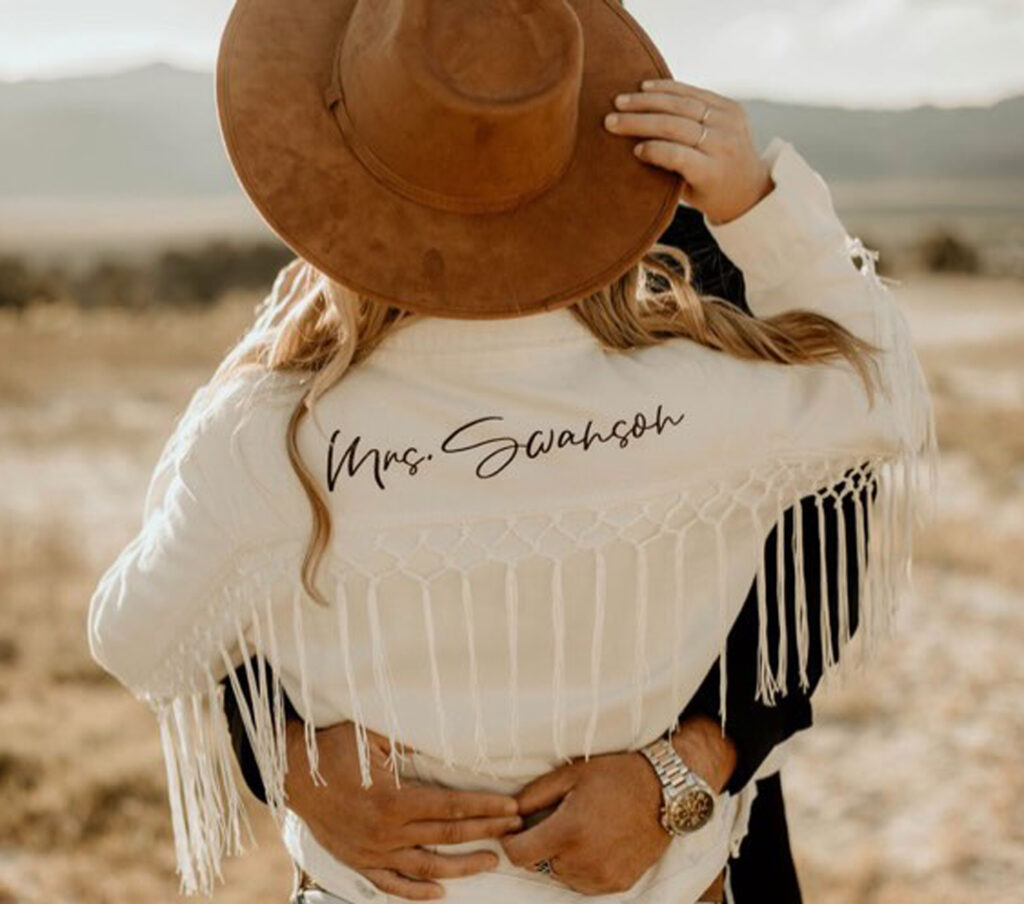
(318, 896)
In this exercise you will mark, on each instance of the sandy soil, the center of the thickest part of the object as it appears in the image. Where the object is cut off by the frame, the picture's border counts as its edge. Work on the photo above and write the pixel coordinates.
(908, 791)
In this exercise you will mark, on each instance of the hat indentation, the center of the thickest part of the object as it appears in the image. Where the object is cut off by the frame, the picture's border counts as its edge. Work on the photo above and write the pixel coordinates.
(468, 132)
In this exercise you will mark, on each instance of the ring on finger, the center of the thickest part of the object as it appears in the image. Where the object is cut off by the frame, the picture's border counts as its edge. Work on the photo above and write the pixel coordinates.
(707, 113)
(703, 135)
(544, 866)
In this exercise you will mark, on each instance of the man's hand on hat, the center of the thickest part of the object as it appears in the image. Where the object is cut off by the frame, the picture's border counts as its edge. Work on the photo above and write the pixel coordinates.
(702, 136)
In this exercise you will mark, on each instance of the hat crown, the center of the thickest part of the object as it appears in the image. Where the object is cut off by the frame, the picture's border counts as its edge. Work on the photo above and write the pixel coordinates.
(463, 105)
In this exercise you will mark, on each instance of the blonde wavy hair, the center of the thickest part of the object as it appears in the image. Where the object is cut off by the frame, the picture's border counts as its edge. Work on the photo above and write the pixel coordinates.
(317, 327)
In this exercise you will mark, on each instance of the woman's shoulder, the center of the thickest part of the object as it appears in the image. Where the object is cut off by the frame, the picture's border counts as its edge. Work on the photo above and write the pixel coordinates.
(223, 408)
(230, 438)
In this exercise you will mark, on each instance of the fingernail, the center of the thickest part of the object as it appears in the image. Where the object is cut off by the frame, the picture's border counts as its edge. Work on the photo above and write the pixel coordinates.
(640, 150)
(622, 100)
(515, 824)
(611, 119)
(647, 85)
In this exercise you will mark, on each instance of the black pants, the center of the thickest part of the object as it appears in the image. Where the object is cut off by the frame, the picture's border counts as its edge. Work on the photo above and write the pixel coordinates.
(764, 869)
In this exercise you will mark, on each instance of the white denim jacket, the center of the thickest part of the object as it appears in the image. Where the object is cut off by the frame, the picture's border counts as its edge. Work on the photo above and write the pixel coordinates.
(538, 544)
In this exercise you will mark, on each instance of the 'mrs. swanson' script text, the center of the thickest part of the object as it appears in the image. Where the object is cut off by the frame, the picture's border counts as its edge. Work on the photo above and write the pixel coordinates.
(488, 445)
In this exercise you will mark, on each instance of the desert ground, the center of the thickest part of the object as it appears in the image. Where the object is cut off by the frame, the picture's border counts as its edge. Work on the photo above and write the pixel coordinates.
(909, 790)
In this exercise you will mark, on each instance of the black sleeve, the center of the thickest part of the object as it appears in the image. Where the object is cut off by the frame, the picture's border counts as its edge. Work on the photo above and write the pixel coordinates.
(240, 741)
(755, 727)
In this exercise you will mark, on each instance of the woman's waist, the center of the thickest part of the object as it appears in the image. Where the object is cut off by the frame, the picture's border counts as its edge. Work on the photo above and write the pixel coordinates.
(689, 865)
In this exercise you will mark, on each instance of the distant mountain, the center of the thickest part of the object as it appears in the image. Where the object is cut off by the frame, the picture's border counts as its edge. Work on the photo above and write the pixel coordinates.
(148, 132)
(153, 133)
(921, 143)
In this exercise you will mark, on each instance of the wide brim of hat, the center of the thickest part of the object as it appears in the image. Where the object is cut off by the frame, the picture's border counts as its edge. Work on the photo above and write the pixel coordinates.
(294, 164)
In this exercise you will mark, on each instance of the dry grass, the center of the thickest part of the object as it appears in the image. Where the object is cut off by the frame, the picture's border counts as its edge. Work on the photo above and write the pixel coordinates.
(908, 791)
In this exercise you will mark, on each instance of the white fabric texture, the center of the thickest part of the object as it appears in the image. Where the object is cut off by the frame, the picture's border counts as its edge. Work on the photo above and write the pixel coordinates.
(538, 544)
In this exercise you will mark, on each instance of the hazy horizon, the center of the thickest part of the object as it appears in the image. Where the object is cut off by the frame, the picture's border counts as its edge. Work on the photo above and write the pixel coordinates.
(118, 70)
(879, 54)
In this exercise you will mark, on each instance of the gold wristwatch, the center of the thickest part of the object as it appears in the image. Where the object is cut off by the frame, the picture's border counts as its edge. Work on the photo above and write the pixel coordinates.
(687, 801)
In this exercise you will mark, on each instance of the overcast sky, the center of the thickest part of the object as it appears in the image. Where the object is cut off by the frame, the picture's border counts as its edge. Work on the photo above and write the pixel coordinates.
(855, 52)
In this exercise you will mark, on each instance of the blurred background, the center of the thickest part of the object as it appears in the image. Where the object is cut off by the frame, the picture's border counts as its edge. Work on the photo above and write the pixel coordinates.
(129, 263)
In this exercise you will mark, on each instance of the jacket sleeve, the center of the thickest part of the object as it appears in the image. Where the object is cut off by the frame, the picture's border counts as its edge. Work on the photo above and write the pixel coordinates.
(796, 255)
(165, 621)
(147, 602)
(755, 727)
(836, 459)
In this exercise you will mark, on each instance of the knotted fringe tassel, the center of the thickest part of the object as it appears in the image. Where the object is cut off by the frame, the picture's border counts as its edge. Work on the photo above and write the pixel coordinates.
(825, 619)
(309, 729)
(765, 677)
(355, 703)
(596, 647)
(780, 597)
(479, 734)
(512, 625)
(558, 675)
(802, 626)
(383, 682)
(721, 570)
(435, 673)
(640, 667)
(207, 814)
(679, 639)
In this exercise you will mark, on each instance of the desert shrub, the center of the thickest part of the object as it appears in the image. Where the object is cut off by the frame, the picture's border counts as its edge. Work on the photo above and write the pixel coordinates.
(203, 274)
(174, 276)
(942, 251)
(111, 282)
(20, 284)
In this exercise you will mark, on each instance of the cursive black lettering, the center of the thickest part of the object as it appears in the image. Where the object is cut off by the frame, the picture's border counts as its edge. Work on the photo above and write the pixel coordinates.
(505, 448)
(381, 461)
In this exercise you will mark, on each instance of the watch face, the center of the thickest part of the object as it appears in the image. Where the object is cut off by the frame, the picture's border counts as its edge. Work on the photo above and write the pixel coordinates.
(690, 811)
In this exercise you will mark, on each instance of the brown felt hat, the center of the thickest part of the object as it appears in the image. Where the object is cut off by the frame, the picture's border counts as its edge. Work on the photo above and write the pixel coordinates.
(447, 156)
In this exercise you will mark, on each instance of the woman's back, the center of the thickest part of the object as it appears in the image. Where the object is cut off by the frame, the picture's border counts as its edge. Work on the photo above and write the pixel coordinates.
(538, 544)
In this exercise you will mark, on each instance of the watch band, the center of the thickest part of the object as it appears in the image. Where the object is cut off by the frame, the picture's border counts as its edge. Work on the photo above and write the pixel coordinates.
(668, 764)
(687, 800)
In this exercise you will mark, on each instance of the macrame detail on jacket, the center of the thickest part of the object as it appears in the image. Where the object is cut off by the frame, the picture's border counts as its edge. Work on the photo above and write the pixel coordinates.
(207, 811)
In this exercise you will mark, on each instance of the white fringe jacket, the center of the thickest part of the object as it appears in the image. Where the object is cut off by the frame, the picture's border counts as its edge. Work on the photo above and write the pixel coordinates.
(539, 545)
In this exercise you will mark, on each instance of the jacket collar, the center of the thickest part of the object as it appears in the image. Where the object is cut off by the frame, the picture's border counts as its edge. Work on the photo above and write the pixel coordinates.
(446, 335)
